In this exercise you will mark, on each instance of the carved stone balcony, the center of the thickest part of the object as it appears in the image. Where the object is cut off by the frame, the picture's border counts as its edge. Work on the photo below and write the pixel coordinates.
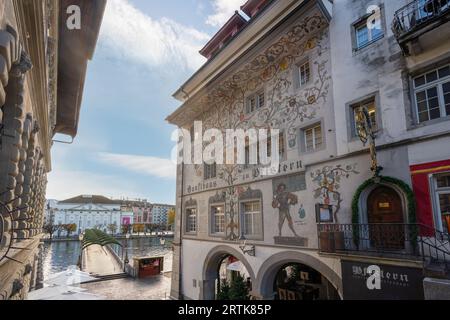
(418, 18)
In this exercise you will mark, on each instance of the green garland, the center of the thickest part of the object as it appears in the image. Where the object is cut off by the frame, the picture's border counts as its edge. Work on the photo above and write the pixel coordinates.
(377, 180)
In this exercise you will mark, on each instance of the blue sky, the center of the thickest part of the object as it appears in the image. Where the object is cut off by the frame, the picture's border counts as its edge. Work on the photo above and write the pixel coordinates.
(146, 50)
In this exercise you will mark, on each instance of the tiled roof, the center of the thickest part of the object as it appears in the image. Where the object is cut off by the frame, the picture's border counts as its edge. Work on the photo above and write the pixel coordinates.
(91, 199)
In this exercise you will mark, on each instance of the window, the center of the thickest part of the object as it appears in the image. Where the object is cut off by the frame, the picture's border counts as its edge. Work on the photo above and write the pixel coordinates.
(443, 201)
(251, 219)
(313, 138)
(281, 148)
(218, 218)
(367, 31)
(371, 108)
(255, 102)
(210, 171)
(191, 220)
(192, 133)
(432, 94)
(303, 74)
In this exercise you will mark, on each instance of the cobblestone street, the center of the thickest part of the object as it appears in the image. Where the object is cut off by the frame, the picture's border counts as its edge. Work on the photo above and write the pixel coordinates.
(155, 288)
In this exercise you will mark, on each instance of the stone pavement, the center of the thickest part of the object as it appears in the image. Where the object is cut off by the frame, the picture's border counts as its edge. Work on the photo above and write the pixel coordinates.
(154, 288)
(97, 260)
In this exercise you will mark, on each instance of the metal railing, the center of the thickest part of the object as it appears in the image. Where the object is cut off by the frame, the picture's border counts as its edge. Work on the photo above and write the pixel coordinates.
(396, 240)
(417, 14)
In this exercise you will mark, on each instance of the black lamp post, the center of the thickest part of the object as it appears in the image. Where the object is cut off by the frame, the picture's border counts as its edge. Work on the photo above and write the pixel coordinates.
(80, 259)
(126, 261)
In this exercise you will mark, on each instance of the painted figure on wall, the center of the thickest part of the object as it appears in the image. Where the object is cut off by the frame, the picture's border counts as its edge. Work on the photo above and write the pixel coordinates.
(283, 200)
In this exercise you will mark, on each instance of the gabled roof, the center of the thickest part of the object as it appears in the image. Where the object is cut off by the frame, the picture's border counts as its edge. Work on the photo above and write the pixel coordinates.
(252, 7)
(233, 25)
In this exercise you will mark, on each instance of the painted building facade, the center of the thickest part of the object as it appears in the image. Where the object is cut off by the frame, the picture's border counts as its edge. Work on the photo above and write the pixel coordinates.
(308, 68)
(42, 80)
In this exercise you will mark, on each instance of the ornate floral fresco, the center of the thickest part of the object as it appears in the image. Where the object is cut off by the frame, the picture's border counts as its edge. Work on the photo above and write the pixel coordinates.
(286, 107)
(328, 181)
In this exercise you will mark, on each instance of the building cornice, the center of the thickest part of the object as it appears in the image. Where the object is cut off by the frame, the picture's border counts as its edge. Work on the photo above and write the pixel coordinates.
(245, 40)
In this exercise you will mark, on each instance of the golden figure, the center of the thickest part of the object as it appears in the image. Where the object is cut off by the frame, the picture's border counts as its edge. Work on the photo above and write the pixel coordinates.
(366, 132)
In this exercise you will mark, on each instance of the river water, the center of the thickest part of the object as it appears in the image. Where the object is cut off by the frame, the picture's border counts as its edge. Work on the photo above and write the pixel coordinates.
(59, 255)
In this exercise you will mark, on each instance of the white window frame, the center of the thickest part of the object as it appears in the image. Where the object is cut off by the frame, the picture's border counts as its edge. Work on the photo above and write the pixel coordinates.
(188, 229)
(305, 130)
(370, 39)
(298, 73)
(214, 219)
(255, 216)
(436, 192)
(207, 174)
(281, 146)
(428, 85)
(258, 104)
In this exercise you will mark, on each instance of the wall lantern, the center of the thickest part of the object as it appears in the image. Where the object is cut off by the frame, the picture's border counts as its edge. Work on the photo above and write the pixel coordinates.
(248, 249)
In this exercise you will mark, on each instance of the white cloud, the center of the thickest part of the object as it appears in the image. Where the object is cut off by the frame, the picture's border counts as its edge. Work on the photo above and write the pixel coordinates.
(152, 166)
(130, 34)
(223, 10)
(64, 184)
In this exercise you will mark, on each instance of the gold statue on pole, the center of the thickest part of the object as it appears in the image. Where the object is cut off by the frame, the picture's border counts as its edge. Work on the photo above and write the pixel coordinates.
(367, 133)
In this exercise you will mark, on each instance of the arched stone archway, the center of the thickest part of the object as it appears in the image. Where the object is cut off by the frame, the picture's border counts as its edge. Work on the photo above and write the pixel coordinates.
(269, 269)
(365, 194)
(211, 267)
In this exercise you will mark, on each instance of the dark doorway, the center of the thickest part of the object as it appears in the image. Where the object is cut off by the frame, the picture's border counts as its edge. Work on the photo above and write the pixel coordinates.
(296, 281)
(232, 273)
(385, 217)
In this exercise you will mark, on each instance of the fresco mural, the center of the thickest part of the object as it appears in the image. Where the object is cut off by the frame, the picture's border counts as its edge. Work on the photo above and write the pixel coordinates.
(286, 107)
(301, 215)
(283, 109)
(282, 201)
(329, 179)
(285, 202)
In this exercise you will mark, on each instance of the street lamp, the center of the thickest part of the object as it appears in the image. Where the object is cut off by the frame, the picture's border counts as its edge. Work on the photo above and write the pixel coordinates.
(245, 248)
(126, 261)
(81, 237)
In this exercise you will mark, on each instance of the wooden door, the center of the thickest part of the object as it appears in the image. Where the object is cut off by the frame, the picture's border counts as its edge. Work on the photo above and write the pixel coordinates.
(385, 215)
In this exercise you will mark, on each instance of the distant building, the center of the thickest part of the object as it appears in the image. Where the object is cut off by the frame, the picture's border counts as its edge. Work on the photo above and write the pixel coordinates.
(95, 211)
(89, 212)
(160, 213)
(141, 209)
